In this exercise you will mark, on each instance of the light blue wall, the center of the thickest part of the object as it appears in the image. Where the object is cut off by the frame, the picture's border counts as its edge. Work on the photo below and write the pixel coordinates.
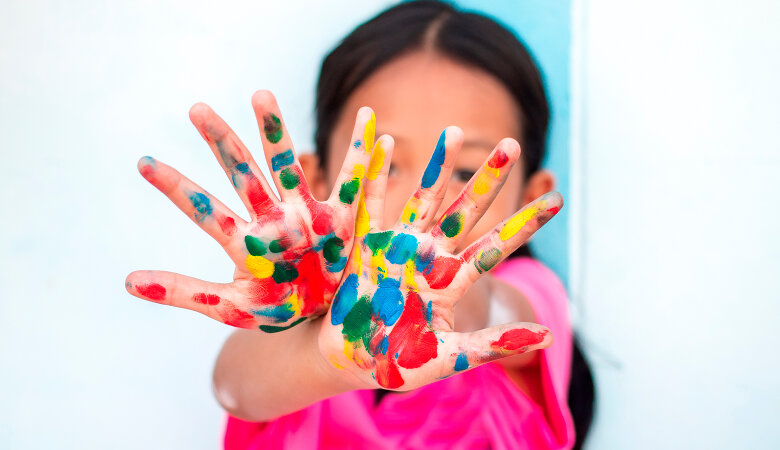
(545, 27)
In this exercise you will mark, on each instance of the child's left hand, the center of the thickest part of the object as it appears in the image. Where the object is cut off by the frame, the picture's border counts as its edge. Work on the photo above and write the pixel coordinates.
(391, 323)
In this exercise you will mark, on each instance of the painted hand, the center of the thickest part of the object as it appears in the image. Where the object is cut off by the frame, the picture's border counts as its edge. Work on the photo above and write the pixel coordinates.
(391, 323)
(291, 255)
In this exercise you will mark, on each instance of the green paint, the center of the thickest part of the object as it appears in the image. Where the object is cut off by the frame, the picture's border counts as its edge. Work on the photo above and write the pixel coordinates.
(273, 329)
(357, 322)
(284, 272)
(378, 241)
(272, 127)
(349, 190)
(255, 246)
(332, 248)
(279, 245)
(289, 178)
(487, 259)
(452, 225)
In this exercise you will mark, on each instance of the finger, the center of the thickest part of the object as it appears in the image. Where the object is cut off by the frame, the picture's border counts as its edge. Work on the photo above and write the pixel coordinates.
(277, 145)
(506, 237)
(350, 179)
(463, 351)
(475, 198)
(371, 210)
(215, 300)
(207, 212)
(237, 162)
(421, 207)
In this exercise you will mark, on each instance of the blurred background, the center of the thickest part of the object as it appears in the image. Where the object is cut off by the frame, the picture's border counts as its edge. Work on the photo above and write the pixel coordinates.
(664, 142)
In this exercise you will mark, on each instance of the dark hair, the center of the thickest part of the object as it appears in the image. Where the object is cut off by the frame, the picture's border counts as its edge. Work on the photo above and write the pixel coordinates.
(471, 39)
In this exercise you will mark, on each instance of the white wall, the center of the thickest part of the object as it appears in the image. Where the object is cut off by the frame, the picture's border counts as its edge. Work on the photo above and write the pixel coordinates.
(86, 88)
(677, 256)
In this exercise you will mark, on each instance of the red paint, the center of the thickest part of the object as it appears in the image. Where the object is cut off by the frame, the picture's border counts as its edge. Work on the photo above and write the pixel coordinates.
(235, 317)
(227, 224)
(266, 291)
(518, 339)
(206, 299)
(554, 209)
(152, 291)
(321, 216)
(311, 284)
(498, 160)
(444, 270)
(387, 374)
(263, 206)
(411, 338)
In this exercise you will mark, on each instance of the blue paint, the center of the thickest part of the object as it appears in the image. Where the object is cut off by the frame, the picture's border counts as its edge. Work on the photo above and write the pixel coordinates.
(356, 144)
(282, 159)
(202, 205)
(402, 248)
(424, 261)
(345, 299)
(461, 363)
(429, 312)
(281, 313)
(384, 345)
(337, 266)
(431, 173)
(388, 303)
(227, 158)
(243, 168)
(149, 161)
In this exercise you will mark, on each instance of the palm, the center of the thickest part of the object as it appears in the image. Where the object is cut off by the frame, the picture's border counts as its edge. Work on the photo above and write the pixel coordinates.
(392, 320)
(291, 255)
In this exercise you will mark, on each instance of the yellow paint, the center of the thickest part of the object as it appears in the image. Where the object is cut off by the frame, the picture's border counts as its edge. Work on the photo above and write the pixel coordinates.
(518, 221)
(358, 171)
(378, 266)
(481, 184)
(295, 304)
(368, 133)
(349, 352)
(334, 360)
(411, 212)
(377, 161)
(409, 276)
(361, 221)
(357, 259)
(259, 266)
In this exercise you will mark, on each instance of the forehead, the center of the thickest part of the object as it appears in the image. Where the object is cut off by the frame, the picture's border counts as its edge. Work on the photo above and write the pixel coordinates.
(418, 94)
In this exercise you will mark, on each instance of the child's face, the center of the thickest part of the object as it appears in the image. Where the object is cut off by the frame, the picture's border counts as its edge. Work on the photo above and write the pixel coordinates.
(415, 97)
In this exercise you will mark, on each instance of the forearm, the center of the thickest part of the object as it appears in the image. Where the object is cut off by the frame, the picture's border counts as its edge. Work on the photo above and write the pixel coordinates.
(260, 376)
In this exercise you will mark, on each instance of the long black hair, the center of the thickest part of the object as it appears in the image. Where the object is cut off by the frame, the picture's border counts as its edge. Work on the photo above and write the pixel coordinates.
(471, 39)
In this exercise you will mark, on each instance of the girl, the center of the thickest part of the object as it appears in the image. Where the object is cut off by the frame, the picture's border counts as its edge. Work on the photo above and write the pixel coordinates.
(374, 268)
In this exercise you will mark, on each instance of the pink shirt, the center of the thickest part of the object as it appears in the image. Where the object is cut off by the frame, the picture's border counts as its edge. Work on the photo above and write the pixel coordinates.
(480, 408)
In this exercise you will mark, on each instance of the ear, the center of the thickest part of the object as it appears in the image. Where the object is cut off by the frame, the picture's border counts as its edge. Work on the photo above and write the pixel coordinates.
(540, 183)
(310, 164)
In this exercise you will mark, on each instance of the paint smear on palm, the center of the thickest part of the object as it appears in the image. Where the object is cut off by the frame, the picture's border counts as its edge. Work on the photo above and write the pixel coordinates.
(369, 132)
(411, 210)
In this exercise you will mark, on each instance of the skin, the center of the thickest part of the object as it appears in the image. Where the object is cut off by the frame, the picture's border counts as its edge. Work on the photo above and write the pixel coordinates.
(410, 343)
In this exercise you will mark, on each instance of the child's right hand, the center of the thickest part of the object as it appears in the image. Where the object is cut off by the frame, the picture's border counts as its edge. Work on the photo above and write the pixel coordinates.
(291, 255)
(392, 323)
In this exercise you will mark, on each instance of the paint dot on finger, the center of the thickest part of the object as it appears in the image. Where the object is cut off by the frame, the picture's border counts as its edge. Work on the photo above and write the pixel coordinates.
(487, 259)
(282, 159)
(289, 178)
(206, 299)
(498, 160)
(272, 127)
(518, 339)
(452, 224)
(152, 291)
(518, 221)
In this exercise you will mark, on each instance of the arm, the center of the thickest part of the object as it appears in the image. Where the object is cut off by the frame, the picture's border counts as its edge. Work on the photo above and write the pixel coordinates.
(258, 378)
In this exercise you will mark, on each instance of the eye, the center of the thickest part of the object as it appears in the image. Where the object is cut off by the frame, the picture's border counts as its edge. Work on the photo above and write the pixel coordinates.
(462, 175)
